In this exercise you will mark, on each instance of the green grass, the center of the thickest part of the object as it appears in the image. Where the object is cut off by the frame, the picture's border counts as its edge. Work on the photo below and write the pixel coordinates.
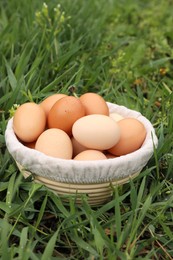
(122, 50)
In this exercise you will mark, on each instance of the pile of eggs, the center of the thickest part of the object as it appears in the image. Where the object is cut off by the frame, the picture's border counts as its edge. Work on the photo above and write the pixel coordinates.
(78, 128)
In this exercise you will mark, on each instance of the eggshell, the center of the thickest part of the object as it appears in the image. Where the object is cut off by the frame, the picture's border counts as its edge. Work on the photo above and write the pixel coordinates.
(116, 117)
(29, 121)
(98, 132)
(30, 145)
(55, 143)
(110, 156)
(77, 147)
(132, 136)
(94, 104)
(48, 103)
(90, 155)
(64, 113)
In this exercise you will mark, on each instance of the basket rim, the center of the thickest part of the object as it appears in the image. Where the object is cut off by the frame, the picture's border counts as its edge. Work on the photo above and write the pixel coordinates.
(72, 185)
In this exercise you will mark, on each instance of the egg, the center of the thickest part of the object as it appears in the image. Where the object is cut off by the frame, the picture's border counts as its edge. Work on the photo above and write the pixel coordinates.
(56, 143)
(29, 121)
(98, 132)
(30, 145)
(110, 156)
(77, 147)
(90, 155)
(48, 103)
(132, 136)
(94, 104)
(64, 113)
(117, 117)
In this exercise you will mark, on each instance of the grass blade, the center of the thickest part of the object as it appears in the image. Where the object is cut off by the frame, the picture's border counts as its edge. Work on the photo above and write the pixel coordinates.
(48, 252)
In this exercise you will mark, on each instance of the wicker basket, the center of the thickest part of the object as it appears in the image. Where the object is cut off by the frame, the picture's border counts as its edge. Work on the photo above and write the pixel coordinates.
(97, 193)
(95, 179)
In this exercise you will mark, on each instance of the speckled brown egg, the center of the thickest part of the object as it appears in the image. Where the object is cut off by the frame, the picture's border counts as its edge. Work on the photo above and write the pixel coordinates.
(64, 113)
(48, 103)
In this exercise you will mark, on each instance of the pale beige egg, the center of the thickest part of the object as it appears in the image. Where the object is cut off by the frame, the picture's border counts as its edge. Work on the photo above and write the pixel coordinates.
(90, 155)
(97, 132)
(115, 116)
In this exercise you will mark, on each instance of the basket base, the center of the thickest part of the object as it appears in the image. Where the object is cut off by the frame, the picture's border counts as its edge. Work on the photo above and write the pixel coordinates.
(97, 193)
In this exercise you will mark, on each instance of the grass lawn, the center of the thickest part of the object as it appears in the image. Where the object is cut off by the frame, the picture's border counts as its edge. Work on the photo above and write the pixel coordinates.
(122, 50)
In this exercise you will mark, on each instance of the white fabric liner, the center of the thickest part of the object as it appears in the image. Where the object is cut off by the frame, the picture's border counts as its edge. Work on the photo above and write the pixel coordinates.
(71, 171)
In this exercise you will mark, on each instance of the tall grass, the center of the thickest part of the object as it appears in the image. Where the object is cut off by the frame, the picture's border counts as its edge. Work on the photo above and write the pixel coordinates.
(123, 51)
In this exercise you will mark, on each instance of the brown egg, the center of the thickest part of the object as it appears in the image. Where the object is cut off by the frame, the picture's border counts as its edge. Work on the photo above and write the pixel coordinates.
(132, 136)
(29, 122)
(56, 143)
(77, 147)
(47, 103)
(30, 145)
(110, 156)
(94, 104)
(64, 113)
(90, 155)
